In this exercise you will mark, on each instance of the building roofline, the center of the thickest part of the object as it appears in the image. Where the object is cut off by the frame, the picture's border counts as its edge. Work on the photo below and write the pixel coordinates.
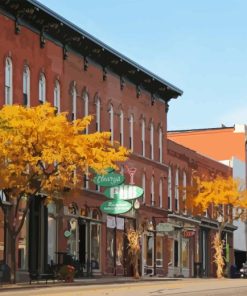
(200, 129)
(103, 53)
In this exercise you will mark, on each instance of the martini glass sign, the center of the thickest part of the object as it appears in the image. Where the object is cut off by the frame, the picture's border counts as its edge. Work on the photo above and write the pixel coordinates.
(120, 194)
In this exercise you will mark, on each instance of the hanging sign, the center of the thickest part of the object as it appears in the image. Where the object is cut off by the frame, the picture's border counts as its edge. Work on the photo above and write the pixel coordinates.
(126, 192)
(188, 233)
(115, 206)
(108, 180)
(164, 227)
(111, 222)
(67, 233)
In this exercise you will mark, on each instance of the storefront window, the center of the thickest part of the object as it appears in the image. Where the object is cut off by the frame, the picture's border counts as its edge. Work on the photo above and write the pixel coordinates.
(150, 248)
(23, 245)
(185, 253)
(52, 241)
(95, 245)
(71, 242)
(119, 248)
(170, 251)
(175, 253)
(159, 251)
(110, 248)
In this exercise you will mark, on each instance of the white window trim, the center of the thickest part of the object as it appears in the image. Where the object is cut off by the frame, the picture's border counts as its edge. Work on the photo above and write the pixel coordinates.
(42, 88)
(111, 115)
(184, 189)
(57, 95)
(74, 96)
(121, 123)
(170, 187)
(152, 191)
(152, 141)
(131, 126)
(26, 84)
(161, 193)
(143, 138)
(85, 97)
(160, 145)
(177, 188)
(98, 114)
(8, 81)
(144, 187)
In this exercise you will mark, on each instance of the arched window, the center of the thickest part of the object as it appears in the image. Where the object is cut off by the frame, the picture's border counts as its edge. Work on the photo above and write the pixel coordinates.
(184, 190)
(98, 115)
(143, 136)
(42, 88)
(111, 119)
(169, 189)
(74, 95)
(144, 187)
(177, 190)
(152, 140)
(85, 98)
(26, 86)
(161, 193)
(121, 125)
(8, 82)
(131, 132)
(160, 145)
(152, 191)
(57, 95)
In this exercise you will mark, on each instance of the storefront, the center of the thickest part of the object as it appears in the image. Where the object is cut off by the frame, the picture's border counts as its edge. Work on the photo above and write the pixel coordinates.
(117, 260)
(182, 246)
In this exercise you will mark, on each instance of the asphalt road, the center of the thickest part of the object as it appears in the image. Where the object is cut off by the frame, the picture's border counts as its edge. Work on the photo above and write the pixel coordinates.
(186, 287)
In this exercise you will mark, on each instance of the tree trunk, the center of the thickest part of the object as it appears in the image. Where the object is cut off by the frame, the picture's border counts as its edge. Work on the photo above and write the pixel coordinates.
(218, 256)
(135, 267)
(13, 259)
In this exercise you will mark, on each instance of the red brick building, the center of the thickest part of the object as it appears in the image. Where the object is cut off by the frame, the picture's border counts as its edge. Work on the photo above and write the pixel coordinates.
(46, 58)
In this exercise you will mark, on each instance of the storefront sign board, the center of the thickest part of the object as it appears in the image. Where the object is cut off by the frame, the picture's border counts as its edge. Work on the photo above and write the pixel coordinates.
(124, 192)
(188, 233)
(164, 227)
(108, 180)
(115, 206)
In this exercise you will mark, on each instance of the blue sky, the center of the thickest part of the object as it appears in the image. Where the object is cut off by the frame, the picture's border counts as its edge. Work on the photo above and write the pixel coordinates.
(199, 46)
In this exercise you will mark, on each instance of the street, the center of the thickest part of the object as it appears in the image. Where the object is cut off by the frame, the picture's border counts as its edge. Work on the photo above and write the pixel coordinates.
(191, 287)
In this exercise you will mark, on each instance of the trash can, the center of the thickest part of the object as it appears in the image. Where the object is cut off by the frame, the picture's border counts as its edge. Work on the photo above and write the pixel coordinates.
(4, 273)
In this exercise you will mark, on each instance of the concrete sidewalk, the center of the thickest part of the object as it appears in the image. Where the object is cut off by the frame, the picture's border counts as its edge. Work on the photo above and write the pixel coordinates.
(83, 281)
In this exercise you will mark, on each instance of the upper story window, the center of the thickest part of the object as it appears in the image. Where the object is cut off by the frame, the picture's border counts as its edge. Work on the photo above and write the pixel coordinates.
(184, 190)
(152, 140)
(8, 82)
(98, 115)
(111, 118)
(74, 95)
(85, 98)
(160, 145)
(26, 86)
(143, 136)
(152, 191)
(57, 95)
(42, 88)
(131, 132)
(144, 187)
(177, 190)
(161, 193)
(121, 125)
(169, 189)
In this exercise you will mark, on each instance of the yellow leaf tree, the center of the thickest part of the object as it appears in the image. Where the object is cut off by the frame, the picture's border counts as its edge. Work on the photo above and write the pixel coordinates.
(40, 151)
(225, 200)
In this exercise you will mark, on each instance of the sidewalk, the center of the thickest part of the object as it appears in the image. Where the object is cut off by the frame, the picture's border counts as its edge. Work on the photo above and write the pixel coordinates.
(84, 281)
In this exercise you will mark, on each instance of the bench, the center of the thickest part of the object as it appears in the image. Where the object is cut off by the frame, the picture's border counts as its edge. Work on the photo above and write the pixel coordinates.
(35, 276)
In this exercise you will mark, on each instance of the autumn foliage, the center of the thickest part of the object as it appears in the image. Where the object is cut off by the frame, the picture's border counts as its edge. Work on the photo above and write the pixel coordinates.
(225, 200)
(41, 152)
